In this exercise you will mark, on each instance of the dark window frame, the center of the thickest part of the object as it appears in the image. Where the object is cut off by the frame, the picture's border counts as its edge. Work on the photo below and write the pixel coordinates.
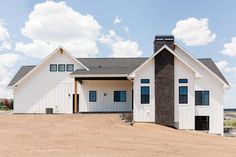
(50, 68)
(145, 81)
(61, 65)
(183, 80)
(202, 102)
(181, 96)
(91, 96)
(199, 125)
(67, 65)
(119, 99)
(145, 98)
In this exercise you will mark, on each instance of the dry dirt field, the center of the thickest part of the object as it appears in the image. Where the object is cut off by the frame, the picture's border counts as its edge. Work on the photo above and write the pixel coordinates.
(103, 135)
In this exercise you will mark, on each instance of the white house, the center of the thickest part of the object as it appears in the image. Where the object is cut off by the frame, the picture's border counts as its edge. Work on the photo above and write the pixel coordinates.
(170, 88)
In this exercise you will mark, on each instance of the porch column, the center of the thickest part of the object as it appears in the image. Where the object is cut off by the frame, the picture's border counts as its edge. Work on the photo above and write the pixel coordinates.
(75, 95)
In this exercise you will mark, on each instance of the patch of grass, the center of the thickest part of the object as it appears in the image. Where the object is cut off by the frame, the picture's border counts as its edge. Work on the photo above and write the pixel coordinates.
(230, 123)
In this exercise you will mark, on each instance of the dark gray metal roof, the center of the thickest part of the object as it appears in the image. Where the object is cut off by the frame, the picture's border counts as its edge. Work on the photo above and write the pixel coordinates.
(210, 64)
(109, 65)
(113, 66)
(21, 73)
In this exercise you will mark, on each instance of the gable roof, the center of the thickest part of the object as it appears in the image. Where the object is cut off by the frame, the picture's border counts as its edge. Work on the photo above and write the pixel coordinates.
(114, 66)
(197, 74)
(59, 49)
(21, 73)
(210, 64)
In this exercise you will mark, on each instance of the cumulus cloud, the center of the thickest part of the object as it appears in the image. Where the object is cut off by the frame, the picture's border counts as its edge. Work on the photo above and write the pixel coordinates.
(120, 47)
(117, 20)
(4, 38)
(222, 64)
(230, 48)
(5, 75)
(194, 32)
(126, 29)
(51, 24)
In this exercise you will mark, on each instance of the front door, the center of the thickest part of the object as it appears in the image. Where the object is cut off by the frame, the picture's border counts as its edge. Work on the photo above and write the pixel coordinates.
(77, 107)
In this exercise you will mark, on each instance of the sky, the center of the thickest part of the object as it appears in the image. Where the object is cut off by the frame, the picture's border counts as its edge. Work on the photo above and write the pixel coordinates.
(30, 30)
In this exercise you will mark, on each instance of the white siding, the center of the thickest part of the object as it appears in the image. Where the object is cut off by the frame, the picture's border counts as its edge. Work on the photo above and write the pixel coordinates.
(43, 89)
(105, 103)
(144, 112)
(216, 89)
(184, 113)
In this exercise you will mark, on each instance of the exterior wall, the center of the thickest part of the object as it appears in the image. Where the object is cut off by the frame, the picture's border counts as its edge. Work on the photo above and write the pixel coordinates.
(45, 89)
(216, 89)
(184, 113)
(144, 112)
(164, 88)
(104, 103)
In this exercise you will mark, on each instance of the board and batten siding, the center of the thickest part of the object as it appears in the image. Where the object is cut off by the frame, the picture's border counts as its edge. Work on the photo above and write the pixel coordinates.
(184, 113)
(44, 89)
(216, 90)
(144, 112)
(105, 96)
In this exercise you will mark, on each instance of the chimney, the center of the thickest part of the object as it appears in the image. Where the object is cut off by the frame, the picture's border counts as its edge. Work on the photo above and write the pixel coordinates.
(161, 40)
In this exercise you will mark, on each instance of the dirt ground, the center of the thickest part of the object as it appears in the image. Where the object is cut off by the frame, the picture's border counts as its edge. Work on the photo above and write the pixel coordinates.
(103, 135)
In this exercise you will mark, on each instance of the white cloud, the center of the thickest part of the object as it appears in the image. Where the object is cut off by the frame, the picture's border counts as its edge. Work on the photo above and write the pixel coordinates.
(5, 75)
(222, 65)
(126, 29)
(194, 32)
(230, 48)
(5, 93)
(52, 24)
(117, 20)
(120, 47)
(4, 38)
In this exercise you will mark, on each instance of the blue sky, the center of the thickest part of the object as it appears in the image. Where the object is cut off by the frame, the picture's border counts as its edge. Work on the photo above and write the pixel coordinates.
(137, 22)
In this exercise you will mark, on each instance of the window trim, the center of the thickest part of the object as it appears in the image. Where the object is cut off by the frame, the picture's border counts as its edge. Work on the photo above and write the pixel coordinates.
(202, 91)
(119, 97)
(51, 69)
(145, 81)
(183, 80)
(183, 95)
(61, 70)
(90, 99)
(67, 67)
(141, 102)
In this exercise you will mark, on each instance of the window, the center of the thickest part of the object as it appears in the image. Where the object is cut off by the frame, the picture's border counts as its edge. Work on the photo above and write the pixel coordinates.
(183, 95)
(145, 80)
(202, 98)
(145, 95)
(119, 96)
(61, 67)
(201, 122)
(70, 67)
(53, 67)
(92, 96)
(183, 80)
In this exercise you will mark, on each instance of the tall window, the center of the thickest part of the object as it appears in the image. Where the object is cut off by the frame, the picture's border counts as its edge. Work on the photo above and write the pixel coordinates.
(145, 95)
(119, 96)
(70, 67)
(183, 95)
(92, 96)
(61, 67)
(202, 98)
(53, 67)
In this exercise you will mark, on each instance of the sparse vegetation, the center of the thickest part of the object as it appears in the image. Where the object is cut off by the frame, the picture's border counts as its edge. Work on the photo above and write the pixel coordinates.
(230, 120)
(6, 104)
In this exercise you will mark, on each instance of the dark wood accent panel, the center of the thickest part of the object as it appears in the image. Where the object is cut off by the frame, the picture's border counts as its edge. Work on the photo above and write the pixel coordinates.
(164, 88)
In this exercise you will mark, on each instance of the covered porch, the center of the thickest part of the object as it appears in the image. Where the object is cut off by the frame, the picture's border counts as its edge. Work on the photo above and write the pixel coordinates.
(102, 94)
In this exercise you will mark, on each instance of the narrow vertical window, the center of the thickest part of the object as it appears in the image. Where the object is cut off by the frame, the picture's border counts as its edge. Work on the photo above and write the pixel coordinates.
(145, 95)
(183, 95)
(92, 96)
